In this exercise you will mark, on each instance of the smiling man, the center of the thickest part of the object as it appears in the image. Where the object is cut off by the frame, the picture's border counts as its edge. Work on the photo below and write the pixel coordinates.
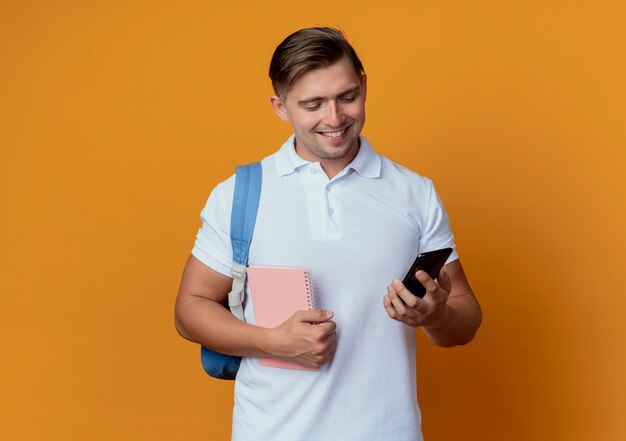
(326, 108)
(356, 220)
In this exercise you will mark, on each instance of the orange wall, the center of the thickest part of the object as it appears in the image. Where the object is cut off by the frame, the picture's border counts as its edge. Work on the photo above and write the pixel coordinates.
(117, 118)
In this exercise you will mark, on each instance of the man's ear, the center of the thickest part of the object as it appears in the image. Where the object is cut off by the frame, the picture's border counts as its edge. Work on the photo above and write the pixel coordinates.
(279, 107)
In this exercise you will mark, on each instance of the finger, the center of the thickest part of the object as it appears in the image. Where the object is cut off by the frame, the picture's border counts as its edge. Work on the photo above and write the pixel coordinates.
(324, 357)
(425, 279)
(329, 354)
(414, 304)
(328, 344)
(396, 301)
(409, 299)
(314, 315)
(444, 280)
(326, 330)
(436, 294)
(391, 312)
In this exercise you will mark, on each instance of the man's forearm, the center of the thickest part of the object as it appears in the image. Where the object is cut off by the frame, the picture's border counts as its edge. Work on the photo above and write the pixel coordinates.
(210, 324)
(295, 339)
(457, 323)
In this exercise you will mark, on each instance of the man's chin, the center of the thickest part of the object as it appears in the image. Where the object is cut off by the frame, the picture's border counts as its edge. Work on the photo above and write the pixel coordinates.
(332, 151)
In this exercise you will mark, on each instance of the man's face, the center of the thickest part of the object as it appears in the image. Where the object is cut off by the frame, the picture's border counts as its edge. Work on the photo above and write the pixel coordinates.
(326, 108)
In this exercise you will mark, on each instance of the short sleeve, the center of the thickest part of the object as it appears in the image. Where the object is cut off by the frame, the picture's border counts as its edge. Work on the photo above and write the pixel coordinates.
(437, 233)
(213, 246)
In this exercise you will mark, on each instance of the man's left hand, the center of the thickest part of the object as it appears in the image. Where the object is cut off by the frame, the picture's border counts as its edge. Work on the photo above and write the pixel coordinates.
(404, 306)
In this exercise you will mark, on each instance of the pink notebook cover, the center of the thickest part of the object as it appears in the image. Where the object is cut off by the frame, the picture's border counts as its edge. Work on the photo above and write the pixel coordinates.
(278, 292)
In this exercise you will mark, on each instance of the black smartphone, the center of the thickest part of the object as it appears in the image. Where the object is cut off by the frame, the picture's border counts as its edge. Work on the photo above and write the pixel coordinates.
(431, 262)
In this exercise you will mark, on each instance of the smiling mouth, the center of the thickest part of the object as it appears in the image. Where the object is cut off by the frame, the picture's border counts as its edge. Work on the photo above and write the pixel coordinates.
(334, 134)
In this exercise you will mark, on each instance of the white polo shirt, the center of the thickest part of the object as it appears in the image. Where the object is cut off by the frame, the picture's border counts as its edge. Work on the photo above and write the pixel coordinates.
(356, 233)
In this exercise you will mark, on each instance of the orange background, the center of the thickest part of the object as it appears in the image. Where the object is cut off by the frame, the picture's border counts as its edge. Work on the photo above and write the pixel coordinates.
(117, 119)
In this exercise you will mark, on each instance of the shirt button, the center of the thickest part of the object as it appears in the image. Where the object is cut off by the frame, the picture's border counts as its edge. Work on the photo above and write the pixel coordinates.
(331, 211)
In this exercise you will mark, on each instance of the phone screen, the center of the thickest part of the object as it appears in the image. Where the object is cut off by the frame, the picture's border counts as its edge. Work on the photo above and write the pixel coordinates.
(431, 262)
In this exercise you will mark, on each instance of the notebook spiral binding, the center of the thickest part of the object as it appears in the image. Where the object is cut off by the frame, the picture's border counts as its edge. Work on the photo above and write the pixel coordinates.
(310, 290)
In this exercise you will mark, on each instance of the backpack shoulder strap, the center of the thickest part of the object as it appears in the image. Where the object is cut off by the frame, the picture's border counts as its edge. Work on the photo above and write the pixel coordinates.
(248, 182)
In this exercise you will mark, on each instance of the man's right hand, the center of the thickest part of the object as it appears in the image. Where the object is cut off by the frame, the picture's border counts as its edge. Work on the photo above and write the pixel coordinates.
(307, 338)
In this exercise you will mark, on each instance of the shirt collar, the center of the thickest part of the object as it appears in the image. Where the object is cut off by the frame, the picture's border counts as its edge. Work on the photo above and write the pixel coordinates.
(367, 162)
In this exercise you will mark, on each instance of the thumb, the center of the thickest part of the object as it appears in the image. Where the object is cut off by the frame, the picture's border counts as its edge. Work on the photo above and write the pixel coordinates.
(316, 315)
(444, 280)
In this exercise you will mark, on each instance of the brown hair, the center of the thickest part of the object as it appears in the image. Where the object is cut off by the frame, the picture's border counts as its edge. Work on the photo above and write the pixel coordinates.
(306, 50)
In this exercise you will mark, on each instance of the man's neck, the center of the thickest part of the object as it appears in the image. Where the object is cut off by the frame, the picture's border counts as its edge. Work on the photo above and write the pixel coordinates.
(332, 167)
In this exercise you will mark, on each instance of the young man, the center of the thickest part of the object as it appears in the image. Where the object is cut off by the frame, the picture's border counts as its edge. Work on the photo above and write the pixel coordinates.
(329, 203)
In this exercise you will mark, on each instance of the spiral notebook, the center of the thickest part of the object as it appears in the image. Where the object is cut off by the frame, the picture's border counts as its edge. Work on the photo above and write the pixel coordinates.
(277, 292)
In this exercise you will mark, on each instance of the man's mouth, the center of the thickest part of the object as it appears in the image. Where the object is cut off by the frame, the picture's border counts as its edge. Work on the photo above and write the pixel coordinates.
(334, 134)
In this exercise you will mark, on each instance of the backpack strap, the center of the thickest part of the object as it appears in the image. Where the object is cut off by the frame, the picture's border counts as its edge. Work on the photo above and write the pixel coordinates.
(243, 217)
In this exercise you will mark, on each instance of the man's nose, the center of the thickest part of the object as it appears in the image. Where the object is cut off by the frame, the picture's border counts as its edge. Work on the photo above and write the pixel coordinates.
(334, 116)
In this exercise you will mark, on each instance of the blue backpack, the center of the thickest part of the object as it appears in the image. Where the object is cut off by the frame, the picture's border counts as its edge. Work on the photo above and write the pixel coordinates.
(248, 181)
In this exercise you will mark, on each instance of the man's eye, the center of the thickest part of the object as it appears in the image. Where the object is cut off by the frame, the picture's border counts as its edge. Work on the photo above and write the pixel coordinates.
(347, 99)
(312, 107)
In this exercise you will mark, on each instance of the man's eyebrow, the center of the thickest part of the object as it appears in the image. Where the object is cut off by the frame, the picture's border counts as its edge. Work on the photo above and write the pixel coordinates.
(321, 98)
